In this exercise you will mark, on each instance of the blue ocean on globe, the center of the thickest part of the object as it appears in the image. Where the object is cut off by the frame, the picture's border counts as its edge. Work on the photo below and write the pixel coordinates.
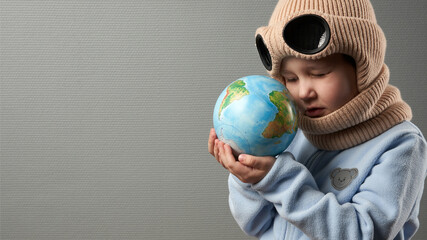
(255, 115)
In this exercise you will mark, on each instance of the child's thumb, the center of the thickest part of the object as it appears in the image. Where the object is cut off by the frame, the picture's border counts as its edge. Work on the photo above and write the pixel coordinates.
(255, 161)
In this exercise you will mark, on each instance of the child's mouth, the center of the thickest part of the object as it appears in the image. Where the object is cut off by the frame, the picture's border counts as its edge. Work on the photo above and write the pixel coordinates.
(314, 112)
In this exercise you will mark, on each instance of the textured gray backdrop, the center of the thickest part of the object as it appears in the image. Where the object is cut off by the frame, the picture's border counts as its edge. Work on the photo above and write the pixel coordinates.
(106, 108)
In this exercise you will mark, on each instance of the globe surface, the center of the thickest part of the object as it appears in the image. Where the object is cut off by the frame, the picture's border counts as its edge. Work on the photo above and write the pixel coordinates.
(255, 115)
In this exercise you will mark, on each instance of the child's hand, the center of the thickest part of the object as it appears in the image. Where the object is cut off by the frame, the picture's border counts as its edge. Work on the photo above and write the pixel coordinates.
(249, 169)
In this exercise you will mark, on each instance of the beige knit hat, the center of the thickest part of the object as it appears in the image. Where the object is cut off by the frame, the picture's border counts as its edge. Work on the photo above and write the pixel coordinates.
(312, 29)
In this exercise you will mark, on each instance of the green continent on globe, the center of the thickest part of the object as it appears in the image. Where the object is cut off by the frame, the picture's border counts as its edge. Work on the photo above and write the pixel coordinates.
(235, 92)
(284, 121)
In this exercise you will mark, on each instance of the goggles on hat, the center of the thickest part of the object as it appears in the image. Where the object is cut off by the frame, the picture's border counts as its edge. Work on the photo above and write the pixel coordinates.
(306, 34)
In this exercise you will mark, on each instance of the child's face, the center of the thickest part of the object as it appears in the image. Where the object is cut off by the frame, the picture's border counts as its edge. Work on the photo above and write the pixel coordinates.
(322, 86)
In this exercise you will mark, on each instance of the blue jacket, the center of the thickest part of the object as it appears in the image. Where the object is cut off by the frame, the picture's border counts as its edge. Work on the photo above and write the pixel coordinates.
(370, 191)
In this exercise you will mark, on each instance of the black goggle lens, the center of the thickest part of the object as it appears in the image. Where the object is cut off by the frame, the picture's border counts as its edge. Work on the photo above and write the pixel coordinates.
(264, 54)
(307, 34)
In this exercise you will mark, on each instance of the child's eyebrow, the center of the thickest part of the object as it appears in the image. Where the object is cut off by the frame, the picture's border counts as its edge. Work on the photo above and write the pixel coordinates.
(318, 65)
(284, 71)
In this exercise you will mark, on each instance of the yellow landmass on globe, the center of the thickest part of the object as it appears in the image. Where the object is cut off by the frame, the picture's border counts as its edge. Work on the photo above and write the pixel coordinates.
(285, 120)
(235, 92)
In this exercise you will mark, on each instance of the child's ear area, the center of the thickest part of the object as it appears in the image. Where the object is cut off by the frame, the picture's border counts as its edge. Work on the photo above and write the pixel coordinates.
(282, 71)
(281, 79)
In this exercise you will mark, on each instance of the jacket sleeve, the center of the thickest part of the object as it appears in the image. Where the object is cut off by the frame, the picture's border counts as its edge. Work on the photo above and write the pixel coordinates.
(378, 210)
(252, 212)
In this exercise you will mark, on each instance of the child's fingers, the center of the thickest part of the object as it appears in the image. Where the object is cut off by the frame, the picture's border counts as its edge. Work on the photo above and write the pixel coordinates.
(232, 165)
(227, 155)
(219, 152)
(216, 148)
(211, 141)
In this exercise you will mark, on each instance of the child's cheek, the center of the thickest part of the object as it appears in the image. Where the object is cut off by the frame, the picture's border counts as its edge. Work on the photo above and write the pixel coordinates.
(299, 106)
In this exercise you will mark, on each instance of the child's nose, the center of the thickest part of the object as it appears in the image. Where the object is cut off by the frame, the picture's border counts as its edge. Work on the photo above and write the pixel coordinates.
(306, 90)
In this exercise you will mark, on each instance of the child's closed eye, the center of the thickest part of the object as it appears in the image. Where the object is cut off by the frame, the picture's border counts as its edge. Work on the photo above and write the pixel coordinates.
(290, 79)
(320, 73)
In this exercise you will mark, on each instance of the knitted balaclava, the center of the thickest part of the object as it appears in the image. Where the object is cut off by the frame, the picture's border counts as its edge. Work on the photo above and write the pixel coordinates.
(312, 29)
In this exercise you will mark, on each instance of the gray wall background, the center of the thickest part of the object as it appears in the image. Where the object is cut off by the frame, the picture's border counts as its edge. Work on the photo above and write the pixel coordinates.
(106, 108)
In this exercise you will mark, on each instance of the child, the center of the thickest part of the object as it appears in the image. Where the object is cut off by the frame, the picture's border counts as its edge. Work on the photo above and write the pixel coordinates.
(356, 167)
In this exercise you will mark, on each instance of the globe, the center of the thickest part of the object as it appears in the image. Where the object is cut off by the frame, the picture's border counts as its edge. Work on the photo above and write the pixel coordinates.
(255, 115)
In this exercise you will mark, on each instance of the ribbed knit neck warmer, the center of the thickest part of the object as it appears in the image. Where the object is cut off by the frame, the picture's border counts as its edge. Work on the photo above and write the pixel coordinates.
(354, 32)
(366, 116)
